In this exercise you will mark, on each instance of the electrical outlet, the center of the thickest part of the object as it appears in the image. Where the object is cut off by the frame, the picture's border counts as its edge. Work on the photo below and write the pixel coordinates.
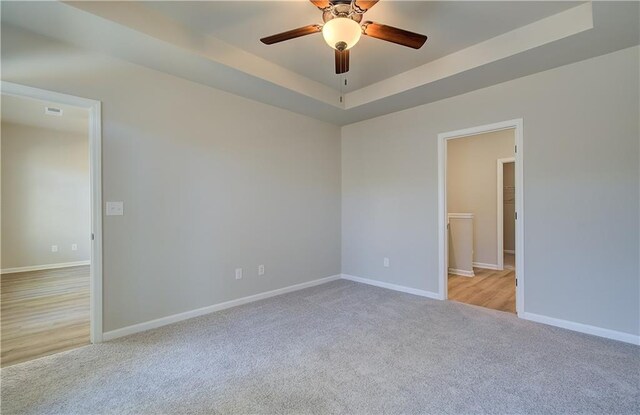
(54, 248)
(238, 273)
(386, 262)
(74, 247)
(260, 269)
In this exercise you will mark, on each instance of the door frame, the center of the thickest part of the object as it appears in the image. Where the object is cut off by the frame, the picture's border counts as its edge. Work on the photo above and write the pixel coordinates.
(95, 163)
(500, 209)
(517, 126)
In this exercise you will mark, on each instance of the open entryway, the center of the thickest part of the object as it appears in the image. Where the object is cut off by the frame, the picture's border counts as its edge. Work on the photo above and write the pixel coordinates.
(51, 278)
(480, 216)
(506, 209)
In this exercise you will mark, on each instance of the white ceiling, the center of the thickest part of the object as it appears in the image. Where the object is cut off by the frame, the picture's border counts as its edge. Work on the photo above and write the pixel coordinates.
(27, 111)
(471, 45)
(450, 26)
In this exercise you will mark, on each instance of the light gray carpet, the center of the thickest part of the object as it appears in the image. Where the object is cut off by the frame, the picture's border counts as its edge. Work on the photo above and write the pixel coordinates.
(342, 347)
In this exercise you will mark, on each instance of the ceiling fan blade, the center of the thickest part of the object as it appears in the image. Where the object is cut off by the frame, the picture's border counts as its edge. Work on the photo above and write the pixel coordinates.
(365, 5)
(395, 35)
(342, 61)
(292, 34)
(321, 4)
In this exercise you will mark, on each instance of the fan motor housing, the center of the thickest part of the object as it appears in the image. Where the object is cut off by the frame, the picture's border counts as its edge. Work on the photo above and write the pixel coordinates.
(341, 10)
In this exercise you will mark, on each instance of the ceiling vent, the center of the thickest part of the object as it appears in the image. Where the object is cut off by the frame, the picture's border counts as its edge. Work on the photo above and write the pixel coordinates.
(53, 111)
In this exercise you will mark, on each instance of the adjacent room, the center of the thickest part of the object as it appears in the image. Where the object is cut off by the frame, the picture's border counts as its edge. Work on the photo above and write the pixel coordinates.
(46, 228)
(325, 206)
(478, 227)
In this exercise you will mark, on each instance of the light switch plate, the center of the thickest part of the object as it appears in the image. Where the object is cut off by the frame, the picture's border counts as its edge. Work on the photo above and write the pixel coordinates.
(115, 208)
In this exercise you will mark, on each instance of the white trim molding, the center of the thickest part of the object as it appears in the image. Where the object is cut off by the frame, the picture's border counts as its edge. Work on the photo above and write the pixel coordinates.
(461, 272)
(583, 328)
(394, 287)
(95, 166)
(163, 321)
(460, 215)
(44, 267)
(483, 265)
(443, 267)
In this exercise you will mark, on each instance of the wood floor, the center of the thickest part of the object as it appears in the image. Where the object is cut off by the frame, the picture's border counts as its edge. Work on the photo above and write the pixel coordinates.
(43, 312)
(491, 289)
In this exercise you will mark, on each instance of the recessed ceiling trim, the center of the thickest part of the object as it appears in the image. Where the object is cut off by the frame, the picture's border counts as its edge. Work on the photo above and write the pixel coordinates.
(144, 20)
(544, 31)
(577, 34)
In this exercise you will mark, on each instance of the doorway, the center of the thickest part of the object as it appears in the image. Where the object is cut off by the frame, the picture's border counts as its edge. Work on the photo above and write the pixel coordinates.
(506, 208)
(51, 252)
(472, 268)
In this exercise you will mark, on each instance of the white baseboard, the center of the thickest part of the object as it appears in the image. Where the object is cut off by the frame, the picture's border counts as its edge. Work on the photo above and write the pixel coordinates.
(136, 328)
(461, 272)
(394, 287)
(582, 328)
(509, 251)
(485, 266)
(43, 267)
(148, 325)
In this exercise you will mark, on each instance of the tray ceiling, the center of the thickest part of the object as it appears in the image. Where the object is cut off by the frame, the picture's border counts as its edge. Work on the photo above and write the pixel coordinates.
(471, 45)
(450, 26)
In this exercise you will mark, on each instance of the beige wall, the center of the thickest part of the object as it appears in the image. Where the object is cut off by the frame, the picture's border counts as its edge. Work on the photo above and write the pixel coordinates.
(581, 184)
(210, 182)
(471, 186)
(45, 196)
(509, 207)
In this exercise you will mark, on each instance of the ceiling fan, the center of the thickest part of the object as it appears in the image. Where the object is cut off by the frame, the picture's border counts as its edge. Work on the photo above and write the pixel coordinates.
(342, 29)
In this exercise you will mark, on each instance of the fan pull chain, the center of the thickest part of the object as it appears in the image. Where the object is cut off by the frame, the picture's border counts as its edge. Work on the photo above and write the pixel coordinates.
(343, 82)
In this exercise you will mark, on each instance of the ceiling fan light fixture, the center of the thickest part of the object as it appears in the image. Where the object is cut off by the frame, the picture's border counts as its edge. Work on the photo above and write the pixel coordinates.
(341, 33)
